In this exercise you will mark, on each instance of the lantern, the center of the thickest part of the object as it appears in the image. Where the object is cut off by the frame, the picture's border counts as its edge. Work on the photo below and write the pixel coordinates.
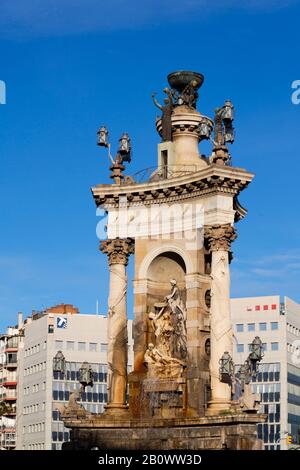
(102, 137)
(257, 353)
(86, 375)
(226, 368)
(59, 363)
(228, 111)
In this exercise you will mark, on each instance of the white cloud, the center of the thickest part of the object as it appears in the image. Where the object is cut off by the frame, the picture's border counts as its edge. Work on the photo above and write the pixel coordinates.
(267, 275)
(62, 17)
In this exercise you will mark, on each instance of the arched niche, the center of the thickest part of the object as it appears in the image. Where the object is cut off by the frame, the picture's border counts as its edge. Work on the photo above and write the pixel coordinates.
(165, 266)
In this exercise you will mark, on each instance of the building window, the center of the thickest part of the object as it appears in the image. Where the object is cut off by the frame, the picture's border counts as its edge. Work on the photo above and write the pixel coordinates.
(263, 326)
(264, 345)
(251, 326)
(240, 348)
(70, 345)
(59, 344)
(93, 347)
(81, 346)
(103, 347)
(240, 327)
(274, 346)
(274, 325)
(50, 328)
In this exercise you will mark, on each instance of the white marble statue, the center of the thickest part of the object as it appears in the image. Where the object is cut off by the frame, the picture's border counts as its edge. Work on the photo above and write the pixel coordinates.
(161, 366)
(178, 309)
(163, 330)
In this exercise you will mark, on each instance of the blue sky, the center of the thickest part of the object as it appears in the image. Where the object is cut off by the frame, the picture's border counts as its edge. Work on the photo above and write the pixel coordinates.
(70, 66)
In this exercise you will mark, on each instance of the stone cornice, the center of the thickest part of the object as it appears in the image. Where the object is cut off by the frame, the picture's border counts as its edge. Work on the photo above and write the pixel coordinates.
(215, 179)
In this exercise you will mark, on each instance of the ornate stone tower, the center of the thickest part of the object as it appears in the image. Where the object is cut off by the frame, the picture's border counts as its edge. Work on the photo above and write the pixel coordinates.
(179, 223)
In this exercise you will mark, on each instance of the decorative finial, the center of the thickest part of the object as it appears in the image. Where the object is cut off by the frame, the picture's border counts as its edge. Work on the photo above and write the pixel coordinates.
(123, 154)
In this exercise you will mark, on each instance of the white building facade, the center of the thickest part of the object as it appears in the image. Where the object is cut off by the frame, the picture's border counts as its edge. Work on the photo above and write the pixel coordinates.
(278, 325)
(41, 390)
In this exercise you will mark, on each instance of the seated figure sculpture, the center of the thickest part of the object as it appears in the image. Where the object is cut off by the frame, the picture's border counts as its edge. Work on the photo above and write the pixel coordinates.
(161, 366)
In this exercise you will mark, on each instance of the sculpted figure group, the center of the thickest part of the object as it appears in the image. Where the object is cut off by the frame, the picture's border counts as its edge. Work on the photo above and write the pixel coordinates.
(167, 357)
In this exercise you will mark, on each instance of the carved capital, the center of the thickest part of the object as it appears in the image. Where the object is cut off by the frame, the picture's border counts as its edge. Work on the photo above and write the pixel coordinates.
(118, 250)
(220, 237)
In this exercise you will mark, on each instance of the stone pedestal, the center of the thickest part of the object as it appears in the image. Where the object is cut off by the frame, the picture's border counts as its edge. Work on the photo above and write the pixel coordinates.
(186, 134)
(232, 432)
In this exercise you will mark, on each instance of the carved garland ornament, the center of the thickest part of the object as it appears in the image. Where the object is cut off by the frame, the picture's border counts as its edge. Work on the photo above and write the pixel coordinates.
(220, 237)
(118, 250)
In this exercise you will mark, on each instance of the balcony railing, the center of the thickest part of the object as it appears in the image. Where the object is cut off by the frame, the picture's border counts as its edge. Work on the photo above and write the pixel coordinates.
(9, 395)
(9, 378)
(155, 174)
(12, 343)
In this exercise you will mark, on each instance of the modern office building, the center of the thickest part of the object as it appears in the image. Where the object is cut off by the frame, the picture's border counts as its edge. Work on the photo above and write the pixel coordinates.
(9, 346)
(278, 325)
(41, 389)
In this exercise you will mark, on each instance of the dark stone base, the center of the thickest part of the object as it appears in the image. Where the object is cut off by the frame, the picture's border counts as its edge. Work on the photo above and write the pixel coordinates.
(233, 432)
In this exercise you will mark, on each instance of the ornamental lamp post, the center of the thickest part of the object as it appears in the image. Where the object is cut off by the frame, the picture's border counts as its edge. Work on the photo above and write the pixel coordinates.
(86, 375)
(123, 153)
(59, 363)
(257, 352)
(245, 372)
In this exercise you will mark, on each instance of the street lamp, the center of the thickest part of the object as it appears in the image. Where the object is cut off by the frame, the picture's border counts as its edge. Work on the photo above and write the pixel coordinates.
(226, 369)
(59, 363)
(86, 375)
(245, 373)
(125, 147)
(102, 137)
(228, 111)
(257, 352)
(205, 128)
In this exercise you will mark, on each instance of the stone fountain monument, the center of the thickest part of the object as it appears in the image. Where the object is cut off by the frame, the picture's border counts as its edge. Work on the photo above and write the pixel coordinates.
(178, 221)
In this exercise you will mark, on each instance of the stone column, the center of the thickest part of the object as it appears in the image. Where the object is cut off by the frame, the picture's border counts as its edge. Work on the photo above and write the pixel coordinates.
(219, 239)
(118, 251)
